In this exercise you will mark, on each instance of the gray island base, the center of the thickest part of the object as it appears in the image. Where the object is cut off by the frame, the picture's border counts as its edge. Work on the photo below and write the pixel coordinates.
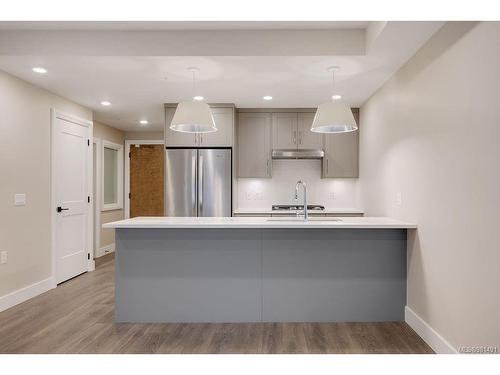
(260, 274)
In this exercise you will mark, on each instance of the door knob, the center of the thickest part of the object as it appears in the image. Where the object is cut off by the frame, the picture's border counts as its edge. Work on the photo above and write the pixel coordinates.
(60, 209)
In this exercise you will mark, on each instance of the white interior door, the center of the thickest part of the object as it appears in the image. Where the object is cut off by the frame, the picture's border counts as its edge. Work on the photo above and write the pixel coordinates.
(97, 208)
(71, 195)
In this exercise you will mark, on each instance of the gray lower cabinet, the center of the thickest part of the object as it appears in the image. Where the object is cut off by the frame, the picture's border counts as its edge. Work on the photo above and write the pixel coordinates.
(254, 145)
(293, 214)
(260, 275)
(341, 153)
(341, 276)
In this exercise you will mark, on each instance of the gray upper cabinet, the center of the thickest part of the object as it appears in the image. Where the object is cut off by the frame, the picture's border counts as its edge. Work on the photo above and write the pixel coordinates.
(341, 153)
(223, 137)
(254, 145)
(174, 138)
(284, 131)
(307, 140)
(293, 131)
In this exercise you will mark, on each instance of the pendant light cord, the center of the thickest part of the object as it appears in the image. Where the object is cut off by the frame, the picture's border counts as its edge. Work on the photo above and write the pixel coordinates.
(333, 81)
(194, 82)
(335, 96)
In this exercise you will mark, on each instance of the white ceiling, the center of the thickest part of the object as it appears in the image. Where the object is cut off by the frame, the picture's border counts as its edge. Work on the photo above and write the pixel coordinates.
(137, 86)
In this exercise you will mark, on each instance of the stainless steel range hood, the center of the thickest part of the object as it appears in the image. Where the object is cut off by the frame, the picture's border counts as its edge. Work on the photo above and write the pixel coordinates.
(298, 154)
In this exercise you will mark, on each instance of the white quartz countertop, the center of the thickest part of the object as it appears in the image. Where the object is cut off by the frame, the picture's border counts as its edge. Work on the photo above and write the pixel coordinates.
(266, 211)
(260, 222)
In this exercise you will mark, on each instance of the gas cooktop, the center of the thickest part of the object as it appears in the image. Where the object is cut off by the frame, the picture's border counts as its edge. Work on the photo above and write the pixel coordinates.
(297, 207)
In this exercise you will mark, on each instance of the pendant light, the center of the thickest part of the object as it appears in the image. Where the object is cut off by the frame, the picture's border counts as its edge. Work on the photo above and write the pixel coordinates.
(194, 116)
(334, 116)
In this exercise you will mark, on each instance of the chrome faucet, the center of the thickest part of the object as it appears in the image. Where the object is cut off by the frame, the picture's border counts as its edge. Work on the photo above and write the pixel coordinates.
(300, 182)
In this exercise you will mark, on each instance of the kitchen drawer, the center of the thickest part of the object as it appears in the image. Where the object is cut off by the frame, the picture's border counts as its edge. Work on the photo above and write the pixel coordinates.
(292, 214)
(251, 214)
(342, 214)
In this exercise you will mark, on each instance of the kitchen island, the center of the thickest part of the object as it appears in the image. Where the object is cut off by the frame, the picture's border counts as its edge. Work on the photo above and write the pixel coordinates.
(253, 269)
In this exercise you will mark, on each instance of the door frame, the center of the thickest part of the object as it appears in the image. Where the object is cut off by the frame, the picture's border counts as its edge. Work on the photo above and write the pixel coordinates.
(96, 210)
(128, 143)
(54, 114)
(118, 147)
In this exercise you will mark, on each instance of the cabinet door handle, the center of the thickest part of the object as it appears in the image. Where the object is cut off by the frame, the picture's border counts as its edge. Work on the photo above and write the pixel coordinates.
(300, 137)
(295, 137)
(201, 139)
(326, 166)
(195, 138)
(267, 167)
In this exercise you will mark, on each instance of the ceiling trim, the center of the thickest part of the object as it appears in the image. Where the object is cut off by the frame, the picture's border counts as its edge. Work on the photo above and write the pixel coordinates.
(180, 25)
(320, 42)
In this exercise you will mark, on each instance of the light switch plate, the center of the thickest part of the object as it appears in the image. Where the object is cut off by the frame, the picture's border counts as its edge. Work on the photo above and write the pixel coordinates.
(19, 199)
(3, 257)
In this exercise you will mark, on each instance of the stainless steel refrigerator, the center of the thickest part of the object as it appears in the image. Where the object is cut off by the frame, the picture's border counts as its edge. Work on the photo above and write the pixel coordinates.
(198, 182)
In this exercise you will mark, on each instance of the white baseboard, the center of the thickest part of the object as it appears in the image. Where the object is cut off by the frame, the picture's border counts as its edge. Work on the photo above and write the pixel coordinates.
(437, 342)
(106, 250)
(24, 294)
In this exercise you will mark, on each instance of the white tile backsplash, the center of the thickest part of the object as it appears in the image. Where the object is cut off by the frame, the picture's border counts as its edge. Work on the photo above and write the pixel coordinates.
(256, 193)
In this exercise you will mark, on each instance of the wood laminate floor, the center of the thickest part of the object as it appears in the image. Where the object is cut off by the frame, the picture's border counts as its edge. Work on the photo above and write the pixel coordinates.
(77, 317)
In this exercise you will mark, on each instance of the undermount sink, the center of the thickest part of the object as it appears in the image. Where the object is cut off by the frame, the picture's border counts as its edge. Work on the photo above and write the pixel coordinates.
(301, 219)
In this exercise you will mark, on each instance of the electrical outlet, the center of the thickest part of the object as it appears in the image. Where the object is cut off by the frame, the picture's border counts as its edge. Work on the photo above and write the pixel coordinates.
(399, 198)
(3, 257)
(19, 199)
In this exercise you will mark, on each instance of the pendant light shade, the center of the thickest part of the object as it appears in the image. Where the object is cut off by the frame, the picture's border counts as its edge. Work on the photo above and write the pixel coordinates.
(193, 117)
(334, 117)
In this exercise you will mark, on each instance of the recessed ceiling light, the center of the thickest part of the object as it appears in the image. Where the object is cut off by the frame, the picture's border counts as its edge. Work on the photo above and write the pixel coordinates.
(105, 103)
(198, 98)
(267, 97)
(336, 97)
(144, 122)
(40, 70)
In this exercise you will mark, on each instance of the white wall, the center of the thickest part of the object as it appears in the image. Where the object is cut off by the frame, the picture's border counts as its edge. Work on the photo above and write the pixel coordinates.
(25, 168)
(256, 193)
(432, 133)
(108, 133)
(154, 135)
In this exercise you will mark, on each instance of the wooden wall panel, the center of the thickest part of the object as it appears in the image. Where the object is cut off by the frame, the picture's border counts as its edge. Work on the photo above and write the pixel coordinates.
(146, 180)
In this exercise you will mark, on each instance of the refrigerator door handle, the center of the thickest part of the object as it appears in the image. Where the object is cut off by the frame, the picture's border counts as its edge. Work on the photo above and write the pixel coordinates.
(193, 188)
(200, 185)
